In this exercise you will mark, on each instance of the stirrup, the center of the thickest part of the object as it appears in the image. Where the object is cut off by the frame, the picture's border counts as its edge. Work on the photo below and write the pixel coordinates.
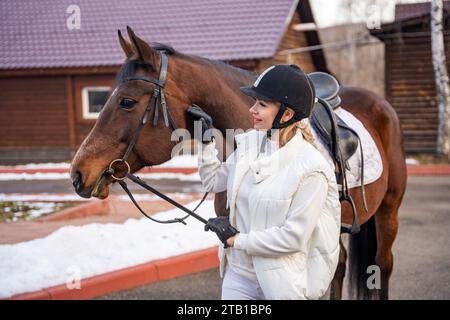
(354, 228)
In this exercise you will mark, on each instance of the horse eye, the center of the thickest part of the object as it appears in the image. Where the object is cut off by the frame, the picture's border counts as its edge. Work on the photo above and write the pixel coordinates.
(127, 103)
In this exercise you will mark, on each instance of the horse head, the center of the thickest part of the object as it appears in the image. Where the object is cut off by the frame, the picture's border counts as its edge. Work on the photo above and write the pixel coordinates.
(121, 116)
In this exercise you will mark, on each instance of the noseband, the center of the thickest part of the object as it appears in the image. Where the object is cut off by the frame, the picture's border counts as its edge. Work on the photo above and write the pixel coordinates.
(157, 100)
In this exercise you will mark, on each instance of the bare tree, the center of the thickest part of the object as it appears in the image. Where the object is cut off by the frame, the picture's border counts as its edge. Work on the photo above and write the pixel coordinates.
(441, 78)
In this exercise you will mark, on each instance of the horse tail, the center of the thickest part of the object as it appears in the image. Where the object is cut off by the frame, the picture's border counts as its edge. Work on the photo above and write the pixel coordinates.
(362, 251)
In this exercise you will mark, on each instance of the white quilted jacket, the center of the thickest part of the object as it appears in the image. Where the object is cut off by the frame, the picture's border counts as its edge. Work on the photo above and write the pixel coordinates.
(292, 273)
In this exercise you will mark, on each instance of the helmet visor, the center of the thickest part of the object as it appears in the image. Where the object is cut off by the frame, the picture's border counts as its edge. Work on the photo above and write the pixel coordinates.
(254, 93)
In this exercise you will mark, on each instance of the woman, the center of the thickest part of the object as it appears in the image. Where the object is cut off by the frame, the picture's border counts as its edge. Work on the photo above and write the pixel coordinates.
(282, 196)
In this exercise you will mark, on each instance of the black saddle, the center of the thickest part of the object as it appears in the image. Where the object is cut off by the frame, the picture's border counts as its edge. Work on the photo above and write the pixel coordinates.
(340, 140)
(334, 132)
(327, 88)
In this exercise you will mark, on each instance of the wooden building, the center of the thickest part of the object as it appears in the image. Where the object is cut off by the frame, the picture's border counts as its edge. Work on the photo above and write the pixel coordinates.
(54, 79)
(409, 75)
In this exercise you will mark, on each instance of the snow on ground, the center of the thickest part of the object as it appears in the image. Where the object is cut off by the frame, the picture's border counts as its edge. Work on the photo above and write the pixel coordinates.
(148, 197)
(48, 165)
(193, 177)
(412, 161)
(47, 197)
(96, 248)
(41, 197)
(29, 210)
(34, 176)
(182, 161)
(180, 176)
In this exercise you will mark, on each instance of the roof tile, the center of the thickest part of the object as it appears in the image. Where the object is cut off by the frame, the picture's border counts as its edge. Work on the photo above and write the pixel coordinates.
(34, 33)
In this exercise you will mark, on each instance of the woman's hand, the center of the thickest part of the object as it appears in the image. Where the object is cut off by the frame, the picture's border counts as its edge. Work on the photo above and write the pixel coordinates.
(222, 227)
(198, 114)
(230, 241)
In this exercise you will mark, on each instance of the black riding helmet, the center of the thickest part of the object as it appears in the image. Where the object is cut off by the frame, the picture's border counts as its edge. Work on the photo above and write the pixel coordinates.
(288, 84)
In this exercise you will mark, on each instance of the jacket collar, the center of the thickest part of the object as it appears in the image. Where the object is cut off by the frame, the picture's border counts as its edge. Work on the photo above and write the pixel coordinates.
(262, 167)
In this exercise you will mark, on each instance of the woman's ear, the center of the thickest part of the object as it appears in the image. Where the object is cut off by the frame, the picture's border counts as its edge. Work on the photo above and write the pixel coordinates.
(288, 114)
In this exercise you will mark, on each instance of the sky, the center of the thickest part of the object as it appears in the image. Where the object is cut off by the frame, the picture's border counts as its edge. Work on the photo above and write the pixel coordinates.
(334, 12)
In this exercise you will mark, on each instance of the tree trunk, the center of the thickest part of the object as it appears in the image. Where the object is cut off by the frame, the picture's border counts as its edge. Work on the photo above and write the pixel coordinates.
(441, 78)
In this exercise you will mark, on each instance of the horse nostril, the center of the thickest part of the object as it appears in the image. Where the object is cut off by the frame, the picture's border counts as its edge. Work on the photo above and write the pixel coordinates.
(77, 180)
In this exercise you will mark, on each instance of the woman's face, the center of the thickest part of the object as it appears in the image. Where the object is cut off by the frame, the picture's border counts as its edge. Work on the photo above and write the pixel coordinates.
(264, 112)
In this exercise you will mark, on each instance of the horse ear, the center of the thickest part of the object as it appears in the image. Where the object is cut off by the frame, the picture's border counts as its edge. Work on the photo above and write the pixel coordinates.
(145, 53)
(126, 46)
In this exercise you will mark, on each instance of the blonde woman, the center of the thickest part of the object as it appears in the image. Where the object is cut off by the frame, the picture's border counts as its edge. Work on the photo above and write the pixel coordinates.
(281, 239)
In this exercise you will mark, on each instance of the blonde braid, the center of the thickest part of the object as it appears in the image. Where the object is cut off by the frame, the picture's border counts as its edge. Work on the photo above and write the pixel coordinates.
(287, 133)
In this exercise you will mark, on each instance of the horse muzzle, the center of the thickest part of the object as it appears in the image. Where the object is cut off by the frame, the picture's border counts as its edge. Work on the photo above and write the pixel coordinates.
(99, 189)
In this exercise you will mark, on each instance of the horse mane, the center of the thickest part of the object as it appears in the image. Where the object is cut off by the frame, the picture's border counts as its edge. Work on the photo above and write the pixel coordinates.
(163, 47)
(230, 72)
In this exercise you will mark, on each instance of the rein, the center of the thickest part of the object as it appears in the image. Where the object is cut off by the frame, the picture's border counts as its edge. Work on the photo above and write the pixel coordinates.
(157, 100)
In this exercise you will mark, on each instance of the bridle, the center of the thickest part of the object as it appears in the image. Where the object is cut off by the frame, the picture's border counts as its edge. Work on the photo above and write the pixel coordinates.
(157, 100)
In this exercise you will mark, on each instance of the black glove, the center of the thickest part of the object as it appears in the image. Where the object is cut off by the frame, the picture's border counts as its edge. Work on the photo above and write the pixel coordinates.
(222, 227)
(200, 115)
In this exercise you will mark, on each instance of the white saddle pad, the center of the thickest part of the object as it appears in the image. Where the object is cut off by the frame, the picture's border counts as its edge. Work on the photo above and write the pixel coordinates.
(373, 166)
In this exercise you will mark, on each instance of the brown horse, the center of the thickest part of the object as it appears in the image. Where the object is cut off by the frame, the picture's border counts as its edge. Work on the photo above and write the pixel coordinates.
(215, 86)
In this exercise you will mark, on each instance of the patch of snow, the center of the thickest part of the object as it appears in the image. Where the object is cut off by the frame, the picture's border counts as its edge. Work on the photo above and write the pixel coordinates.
(41, 197)
(144, 197)
(44, 208)
(183, 161)
(34, 176)
(412, 161)
(194, 177)
(96, 248)
(65, 176)
(48, 165)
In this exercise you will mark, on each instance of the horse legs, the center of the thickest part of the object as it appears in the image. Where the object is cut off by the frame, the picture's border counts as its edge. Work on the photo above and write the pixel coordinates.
(386, 220)
(338, 280)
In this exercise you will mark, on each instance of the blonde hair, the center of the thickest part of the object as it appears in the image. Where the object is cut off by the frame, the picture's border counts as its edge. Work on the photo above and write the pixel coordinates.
(287, 133)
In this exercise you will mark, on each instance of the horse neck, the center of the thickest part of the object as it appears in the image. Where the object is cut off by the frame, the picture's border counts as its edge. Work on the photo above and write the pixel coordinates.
(214, 86)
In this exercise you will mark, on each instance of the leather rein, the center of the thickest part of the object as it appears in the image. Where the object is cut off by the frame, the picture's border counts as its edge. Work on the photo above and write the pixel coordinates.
(157, 100)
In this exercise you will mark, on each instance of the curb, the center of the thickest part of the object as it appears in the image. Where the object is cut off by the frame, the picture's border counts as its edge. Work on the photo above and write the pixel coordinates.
(92, 208)
(429, 170)
(130, 277)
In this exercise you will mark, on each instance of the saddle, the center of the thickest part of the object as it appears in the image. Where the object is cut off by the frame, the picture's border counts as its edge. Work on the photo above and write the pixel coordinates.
(340, 140)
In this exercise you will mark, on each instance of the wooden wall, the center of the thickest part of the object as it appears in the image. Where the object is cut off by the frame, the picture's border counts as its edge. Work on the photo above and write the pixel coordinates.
(41, 116)
(360, 62)
(33, 118)
(410, 88)
(291, 39)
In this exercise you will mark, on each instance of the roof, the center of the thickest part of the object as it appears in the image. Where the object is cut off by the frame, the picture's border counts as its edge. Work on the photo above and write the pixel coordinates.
(408, 15)
(34, 33)
(407, 11)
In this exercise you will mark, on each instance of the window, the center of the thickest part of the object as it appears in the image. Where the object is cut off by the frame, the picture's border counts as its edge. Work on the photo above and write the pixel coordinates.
(93, 99)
